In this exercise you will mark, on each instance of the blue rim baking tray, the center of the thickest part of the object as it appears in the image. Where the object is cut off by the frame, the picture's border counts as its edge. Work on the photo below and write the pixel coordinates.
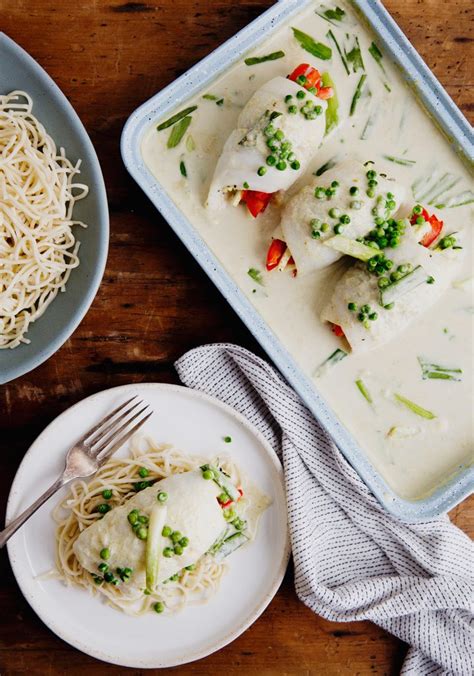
(439, 106)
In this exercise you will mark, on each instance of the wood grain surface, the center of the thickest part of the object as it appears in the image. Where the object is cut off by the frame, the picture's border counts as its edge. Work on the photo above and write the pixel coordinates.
(108, 56)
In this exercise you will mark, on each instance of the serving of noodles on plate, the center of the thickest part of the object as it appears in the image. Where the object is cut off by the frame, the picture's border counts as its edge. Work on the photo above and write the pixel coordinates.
(123, 479)
(38, 191)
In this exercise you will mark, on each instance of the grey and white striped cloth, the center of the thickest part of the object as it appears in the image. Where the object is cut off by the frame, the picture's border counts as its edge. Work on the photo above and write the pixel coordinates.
(353, 560)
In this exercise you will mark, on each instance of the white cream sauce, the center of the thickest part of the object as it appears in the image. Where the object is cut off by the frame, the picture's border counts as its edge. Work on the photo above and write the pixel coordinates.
(420, 454)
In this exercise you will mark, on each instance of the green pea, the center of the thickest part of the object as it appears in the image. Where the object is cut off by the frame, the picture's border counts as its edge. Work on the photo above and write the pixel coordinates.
(107, 494)
(383, 282)
(279, 135)
(103, 508)
(352, 307)
(159, 607)
(228, 440)
(319, 193)
(162, 496)
(262, 171)
(301, 79)
(356, 205)
(105, 553)
(318, 110)
(281, 166)
(315, 234)
(246, 185)
(292, 110)
(373, 183)
(325, 227)
(166, 532)
(223, 497)
(103, 567)
(365, 308)
(395, 276)
(295, 165)
(178, 549)
(168, 552)
(288, 98)
(143, 472)
(133, 516)
(391, 204)
(108, 577)
(334, 212)
(176, 536)
(354, 190)
(373, 316)
(207, 474)
(271, 160)
(143, 519)
(338, 229)
(345, 219)
(371, 174)
(184, 542)
(430, 280)
(97, 579)
(229, 514)
(142, 533)
(301, 94)
(370, 192)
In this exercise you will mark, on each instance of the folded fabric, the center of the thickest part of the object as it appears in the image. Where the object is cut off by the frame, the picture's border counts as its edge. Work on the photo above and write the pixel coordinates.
(353, 560)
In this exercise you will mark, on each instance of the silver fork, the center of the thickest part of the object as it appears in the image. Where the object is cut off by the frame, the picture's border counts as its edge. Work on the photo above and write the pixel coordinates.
(89, 453)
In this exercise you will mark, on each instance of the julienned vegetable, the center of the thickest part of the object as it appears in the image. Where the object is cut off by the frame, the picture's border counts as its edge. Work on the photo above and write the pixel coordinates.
(377, 55)
(275, 253)
(154, 543)
(175, 118)
(400, 160)
(339, 50)
(415, 408)
(256, 275)
(350, 247)
(178, 131)
(363, 390)
(255, 60)
(357, 94)
(332, 111)
(333, 359)
(317, 49)
(230, 545)
(430, 371)
(391, 293)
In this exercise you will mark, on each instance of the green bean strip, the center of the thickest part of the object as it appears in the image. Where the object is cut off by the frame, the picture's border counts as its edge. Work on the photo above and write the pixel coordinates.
(255, 60)
(343, 58)
(176, 118)
(377, 55)
(415, 408)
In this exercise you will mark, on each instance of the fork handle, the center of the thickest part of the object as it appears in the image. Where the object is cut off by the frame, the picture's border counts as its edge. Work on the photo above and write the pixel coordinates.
(14, 525)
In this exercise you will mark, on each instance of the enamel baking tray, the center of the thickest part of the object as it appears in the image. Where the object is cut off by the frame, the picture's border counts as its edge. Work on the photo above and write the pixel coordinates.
(439, 106)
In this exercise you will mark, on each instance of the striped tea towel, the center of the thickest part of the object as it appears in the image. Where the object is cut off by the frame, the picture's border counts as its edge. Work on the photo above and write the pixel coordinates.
(353, 560)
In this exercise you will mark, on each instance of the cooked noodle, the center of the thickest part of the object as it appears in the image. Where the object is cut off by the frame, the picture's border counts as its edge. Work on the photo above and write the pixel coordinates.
(77, 511)
(38, 249)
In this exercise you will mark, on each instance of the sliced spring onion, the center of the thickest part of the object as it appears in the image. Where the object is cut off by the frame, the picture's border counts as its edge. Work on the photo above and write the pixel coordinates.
(190, 144)
(331, 15)
(255, 60)
(444, 188)
(369, 126)
(363, 390)
(415, 408)
(325, 167)
(400, 160)
(460, 200)
(317, 49)
(230, 545)
(182, 169)
(176, 118)
(332, 360)
(339, 50)
(178, 132)
(350, 247)
(354, 57)
(210, 97)
(154, 543)
(377, 55)
(396, 290)
(430, 371)
(256, 275)
(332, 111)
(357, 94)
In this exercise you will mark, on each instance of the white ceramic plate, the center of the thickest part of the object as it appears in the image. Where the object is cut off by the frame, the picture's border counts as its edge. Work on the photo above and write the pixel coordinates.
(196, 424)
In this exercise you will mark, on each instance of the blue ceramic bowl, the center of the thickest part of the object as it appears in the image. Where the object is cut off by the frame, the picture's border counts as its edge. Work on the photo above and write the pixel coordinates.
(19, 71)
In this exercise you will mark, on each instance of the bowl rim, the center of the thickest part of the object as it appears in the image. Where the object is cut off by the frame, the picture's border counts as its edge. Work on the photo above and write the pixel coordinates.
(31, 361)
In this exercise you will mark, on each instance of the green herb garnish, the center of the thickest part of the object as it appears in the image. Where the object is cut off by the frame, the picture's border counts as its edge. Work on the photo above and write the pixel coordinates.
(176, 118)
(255, 60)
(256, 275)
(339, 50)
(430, 371)
(354, 57)
(317, 49)
(377, 55)
(336, 14)
(178, 132)
(400, 160)
(182, 169)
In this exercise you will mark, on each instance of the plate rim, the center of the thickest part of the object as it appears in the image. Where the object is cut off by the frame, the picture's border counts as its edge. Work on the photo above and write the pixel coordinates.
(29, 363)
(40, 610)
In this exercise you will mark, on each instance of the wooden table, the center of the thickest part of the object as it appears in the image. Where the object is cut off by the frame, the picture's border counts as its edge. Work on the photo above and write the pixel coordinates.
(108, 56)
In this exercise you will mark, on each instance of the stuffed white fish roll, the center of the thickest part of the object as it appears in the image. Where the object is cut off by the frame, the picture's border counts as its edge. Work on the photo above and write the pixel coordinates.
(346, 199)
(278, 133)
(377, 299)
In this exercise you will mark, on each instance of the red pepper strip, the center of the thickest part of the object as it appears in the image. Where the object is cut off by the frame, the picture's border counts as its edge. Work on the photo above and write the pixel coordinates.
(326, 93)
(312, 75)
(436, 227)
(256, 201)
(229, 502)
(275, 253)
(337, 330)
